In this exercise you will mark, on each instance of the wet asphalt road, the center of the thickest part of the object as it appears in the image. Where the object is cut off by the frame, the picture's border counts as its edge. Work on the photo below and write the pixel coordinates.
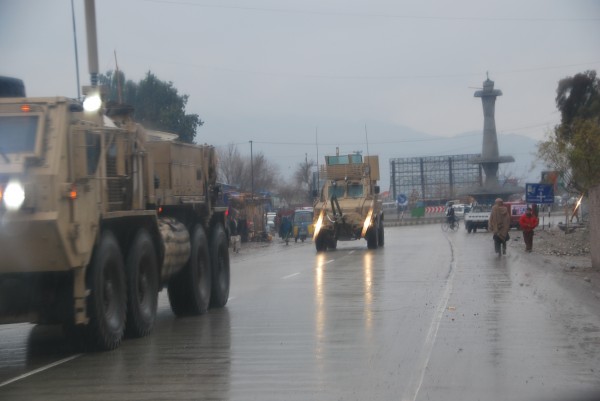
(429, 317)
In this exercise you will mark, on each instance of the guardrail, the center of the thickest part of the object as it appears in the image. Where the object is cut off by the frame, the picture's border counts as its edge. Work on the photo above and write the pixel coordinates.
(393, 220)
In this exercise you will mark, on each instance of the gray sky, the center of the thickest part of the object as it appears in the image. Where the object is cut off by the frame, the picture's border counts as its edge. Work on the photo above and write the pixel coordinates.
(283, 72)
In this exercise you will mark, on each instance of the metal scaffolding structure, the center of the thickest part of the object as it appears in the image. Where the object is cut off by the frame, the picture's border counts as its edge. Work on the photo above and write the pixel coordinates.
(434, 179)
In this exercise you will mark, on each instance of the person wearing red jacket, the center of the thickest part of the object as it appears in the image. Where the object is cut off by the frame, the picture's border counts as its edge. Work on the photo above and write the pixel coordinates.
(528, 222)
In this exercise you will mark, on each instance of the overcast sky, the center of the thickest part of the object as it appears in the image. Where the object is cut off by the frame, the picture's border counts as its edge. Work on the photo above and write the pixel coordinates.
(283, 73)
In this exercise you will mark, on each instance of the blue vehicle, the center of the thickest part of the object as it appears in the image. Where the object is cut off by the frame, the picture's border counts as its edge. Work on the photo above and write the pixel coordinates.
(303, 224)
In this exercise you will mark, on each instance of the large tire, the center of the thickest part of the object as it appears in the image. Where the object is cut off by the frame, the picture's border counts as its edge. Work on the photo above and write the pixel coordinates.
(381, 234)
(321, 243)
(141, 268)
(190, 289)
(372, 238)
(219, 258)
(106, 304)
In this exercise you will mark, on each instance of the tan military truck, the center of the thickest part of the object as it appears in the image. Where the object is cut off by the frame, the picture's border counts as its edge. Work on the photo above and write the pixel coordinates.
(97, 216)
(349, 207)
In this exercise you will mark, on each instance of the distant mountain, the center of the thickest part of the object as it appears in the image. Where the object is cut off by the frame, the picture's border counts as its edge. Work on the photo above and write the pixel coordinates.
(288, 140)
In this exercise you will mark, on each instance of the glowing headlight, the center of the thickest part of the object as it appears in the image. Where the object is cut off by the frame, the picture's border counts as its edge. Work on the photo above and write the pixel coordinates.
(367, 223)
(92, 102)
(14, 195)
(319, 224)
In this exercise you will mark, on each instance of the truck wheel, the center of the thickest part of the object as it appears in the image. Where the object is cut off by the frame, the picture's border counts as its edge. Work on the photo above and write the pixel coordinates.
(141, 269)
(320, 243)
(189, 291)
(107, 300)
(469, 229)
(332, 243)
(219, 258)
(474, 229)
(381, 240)
(372, 238)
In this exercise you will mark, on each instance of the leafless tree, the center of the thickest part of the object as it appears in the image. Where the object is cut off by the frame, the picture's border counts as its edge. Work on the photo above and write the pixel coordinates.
(235, 169)
(303, 173)
(231, 165)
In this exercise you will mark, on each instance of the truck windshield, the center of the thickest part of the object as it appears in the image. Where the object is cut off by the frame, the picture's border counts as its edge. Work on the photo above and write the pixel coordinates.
(17, 133)
(338, 191)
(303, 217)
(355, 190)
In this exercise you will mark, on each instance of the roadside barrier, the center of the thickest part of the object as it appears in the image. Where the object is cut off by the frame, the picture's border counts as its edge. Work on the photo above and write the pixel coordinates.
(413, 221)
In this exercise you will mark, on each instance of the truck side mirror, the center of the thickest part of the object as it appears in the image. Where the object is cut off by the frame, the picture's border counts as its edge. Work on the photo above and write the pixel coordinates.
(376, 189)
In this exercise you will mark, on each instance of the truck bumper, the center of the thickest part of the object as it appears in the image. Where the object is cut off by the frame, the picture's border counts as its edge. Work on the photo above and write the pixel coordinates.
(32, 244)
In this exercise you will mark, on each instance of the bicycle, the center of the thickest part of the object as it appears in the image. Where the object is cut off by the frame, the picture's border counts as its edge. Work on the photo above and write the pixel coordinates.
(450, 226)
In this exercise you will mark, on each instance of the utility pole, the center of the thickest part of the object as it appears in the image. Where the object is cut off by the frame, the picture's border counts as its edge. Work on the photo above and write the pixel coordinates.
(251, 172)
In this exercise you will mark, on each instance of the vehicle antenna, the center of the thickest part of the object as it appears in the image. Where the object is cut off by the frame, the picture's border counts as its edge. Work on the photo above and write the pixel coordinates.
(76, 55)
(119, 90)
(368, 154)
(317, 145)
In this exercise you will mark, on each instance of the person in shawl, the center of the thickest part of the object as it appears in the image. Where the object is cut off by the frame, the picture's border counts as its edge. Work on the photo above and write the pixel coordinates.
(499, 224)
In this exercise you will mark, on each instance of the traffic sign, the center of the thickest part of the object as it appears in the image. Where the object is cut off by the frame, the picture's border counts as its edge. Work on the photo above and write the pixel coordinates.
(539, 193)
(402, 200)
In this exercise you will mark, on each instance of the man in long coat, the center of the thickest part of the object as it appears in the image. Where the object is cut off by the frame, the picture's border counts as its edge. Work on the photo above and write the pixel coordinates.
(499, 224)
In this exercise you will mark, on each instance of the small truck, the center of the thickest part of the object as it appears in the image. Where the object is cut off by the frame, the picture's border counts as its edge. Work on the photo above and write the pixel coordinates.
(477, 218)
(479, 215)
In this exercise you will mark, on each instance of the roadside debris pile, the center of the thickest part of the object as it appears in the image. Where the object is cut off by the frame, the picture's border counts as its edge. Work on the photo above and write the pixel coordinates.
(552, 241)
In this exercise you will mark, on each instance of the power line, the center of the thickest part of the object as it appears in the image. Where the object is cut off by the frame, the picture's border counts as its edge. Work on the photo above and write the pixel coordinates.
(287, 74)
(375, 15)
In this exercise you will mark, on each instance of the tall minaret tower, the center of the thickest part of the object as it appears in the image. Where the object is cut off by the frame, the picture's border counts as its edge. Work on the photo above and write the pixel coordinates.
(490, 158)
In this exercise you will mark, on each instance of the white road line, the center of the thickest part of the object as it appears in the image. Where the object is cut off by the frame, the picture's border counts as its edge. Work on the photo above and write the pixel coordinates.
(230, 299)
(416, 382)
(289, 276)
(351, 252)
(329, 261)
(38, 370)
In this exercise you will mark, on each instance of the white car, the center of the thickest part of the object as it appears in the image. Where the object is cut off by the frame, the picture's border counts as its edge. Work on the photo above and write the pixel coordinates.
(271, 221)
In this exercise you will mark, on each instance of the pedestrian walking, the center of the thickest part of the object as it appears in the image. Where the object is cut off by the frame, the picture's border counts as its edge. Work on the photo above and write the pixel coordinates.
(528, 222)
(499, 224)
(235, 237)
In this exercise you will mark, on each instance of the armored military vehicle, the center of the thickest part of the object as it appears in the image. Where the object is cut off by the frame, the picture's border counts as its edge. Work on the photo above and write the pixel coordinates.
(349, 207)
(97, 216)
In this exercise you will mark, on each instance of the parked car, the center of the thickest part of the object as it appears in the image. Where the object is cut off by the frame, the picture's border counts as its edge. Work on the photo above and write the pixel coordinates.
(271, 221)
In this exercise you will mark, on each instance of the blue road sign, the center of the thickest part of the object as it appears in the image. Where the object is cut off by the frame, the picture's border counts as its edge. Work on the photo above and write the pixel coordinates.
(402, 200)
(539, 193)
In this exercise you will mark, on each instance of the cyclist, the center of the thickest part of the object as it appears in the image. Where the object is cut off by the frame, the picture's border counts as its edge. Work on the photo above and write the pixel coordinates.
(450, 216)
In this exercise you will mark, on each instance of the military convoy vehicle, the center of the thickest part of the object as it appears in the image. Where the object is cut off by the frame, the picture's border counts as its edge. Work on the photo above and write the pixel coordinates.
(349, 207)
(97, 216)
(95, 220)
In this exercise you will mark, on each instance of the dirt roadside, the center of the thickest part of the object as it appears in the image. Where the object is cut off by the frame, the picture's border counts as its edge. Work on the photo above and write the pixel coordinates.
(568, 253)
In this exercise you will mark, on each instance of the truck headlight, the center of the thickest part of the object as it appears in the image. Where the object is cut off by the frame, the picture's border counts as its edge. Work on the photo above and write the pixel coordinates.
(367, 223)
(14, 195)
(319, 224)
